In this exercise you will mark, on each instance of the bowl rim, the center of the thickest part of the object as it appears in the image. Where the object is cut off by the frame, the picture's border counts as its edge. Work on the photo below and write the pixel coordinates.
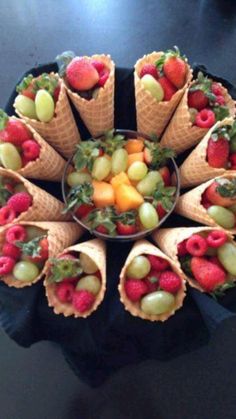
(131, 237)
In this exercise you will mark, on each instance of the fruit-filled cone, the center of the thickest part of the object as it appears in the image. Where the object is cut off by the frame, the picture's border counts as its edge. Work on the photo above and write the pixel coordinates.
(42, 102)
(157, 95)
(25, 248)
(76, 279)
(206, 255)
(90, 84)
(152, 285)
(213, 156)
(212, 203)
(203, 104)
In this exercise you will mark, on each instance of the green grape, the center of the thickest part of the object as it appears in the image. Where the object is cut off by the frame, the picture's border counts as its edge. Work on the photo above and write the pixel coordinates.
(26, 106)
(119, 161)
(44, 105)
(20, 188)
(87, 264)
(137, 170)
(138, 268)
(222, 216)
(232, 208)
(232, 144)
(148, 184)
(33, 232)
(227, 257)
(89, 283)
(158, 302)
(148, 215)
(25, 271)
(101, 168)
(76, 178)
(10, 157)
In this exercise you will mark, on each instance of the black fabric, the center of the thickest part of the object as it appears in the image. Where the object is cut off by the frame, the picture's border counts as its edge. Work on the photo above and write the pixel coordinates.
(111, 338)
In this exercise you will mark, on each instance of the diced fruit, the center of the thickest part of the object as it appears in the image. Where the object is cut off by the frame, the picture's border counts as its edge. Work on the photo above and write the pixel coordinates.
(7, 264)
(148, 216)
(25, 106)
(157, 263)
(207, 274)
(101, 229)
(101, 168)
(83, 210)
(44, 105)
(222, 216)
(197, 100)
(170, 282)
(148, 184)
(25, 271)
(126, 229)
(119, 161)
(17, 132)
(149, 69)
(138, 268)
(205, 118)
(221, 192)
(135, 157)
(64, 292)
(7, 215)
(153, 87)
(10, 157)
(103, 194)
(127, 198)
(165, 174)
(135, 289)
(87, 264)
(83, 300)
(160, 210)
(168, 88)
(218, 152)
(16, 233)
(81, 74)
(158, 302)
(119, 179)
(137, 171)
(36, 252)
(134, 146)
(196, 245)
(227, 257)
(216, 238)
(76, 178)
(89, 283)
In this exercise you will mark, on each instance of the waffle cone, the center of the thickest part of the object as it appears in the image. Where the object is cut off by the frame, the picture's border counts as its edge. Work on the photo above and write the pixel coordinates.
(96, 250)
(59, 235)
(189, 204)
(153, 116)
(61, 132)
(169, 238)
(144, 247)
(180, 133)
(98, 114)
(195, 169)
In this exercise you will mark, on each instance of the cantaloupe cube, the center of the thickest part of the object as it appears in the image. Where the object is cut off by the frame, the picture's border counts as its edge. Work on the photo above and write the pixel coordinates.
(127, 198)
(134, 146)
(103, 194)
(135, 157)
(119, 180)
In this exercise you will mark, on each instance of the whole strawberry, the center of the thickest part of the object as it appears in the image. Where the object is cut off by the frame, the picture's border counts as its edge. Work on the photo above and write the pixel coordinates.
(221, 192)
(207, 274)
(218, 152)
(168, 87)
(13, 130)
(135, 289)
(174, 67)
(197, 100)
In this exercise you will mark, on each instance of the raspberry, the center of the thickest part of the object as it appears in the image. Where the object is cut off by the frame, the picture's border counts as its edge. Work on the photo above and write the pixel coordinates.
(7, 215)
(31, 150)
(135, 289)
(216, 238)
(20, 202)
(216, 89)
(99, 65)
(196, 245)
(11, 250)
(181, 248)
(103, 78)
(220, 100)
(17, 132)
(64, 292)
(16, 233)
(170, 282)
(6, 265)
(205, 118)
(149, 69)
(158, 263)
(83, 300)
(152, 280)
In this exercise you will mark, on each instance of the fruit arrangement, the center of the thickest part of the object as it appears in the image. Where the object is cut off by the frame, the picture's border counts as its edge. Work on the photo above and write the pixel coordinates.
(151, 286)
(14, 200)
(75, 280)
(120, 186)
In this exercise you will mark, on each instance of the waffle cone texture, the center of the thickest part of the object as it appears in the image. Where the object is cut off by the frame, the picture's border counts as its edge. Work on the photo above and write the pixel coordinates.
(59, 235)
(96, 250)
(143, 247)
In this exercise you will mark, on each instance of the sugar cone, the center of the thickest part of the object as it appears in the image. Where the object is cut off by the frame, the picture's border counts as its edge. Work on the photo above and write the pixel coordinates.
(144, 247)
(61, 132)
(169, 238)
(96, 250)
(180, 133)
(98, 114)
(153, 116)
(45, 207)
(189, 204)
(195, 169)
(60, 235)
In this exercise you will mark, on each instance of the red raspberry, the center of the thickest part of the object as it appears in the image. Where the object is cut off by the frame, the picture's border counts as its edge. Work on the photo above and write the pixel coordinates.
(216, 238)
(11, 250)
(6, 265)
(196, 245)
(220, 100)
(181, 248)
(103, 77)
(99, 65)
(170, 282)
(16, 233)
(17, 132)
(135, 289)
(20, 202)
(205, 202)
(205, 118)
(31, 150)
(7, 215)
(216, 89)
(158, 263)
(83, 300)
(232, 159)
(152, 280)
(64, 292)
(149, 69)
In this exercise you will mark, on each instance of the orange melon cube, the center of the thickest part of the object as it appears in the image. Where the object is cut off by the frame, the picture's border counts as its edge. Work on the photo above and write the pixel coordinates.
(119, 180)
(134, 146)
(135, 157)
(103, 194)
(127, 198)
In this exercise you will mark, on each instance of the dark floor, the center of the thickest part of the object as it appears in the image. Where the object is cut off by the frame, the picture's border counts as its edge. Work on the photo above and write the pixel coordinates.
(36, 383)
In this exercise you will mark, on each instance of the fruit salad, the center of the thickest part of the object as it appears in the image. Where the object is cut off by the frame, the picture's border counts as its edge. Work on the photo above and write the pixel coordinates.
(208, 259)
(37, 96)
(24, 250)
(207, 102)
(120, 186)
(221, 149)
(17, 145)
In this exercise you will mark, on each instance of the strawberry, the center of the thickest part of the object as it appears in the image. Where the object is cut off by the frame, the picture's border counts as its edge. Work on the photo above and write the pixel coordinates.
(36, 249)
(135, 289)
(56, 93)
(232, 159)
(126, 223)
(222, 192)
(13, 130)
(168, 87)
(197, 100)
(103, 220)
(160, 210)
(83, 301)
(174, 68)
(42, 251)
(207, 274)
(27, 87)
(218, 152)
(83, 210)
(149, 69)
(205, 118)
(125, 229)
(165, 174)
(101, 229)
(170, 282)
(204, 201)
